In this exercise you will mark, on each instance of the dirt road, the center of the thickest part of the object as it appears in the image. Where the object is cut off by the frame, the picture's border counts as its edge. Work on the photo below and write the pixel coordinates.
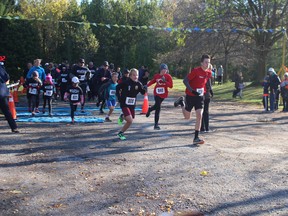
(83, 169)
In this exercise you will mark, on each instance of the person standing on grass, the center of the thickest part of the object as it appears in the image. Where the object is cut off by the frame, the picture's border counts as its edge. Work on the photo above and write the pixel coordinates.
(163, 81)
(195, 83)
(274, 88)
(126, 93)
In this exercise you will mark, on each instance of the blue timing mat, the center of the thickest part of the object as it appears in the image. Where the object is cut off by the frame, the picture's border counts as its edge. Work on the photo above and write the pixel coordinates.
(61, 113)
(59, 109)
(62, 119)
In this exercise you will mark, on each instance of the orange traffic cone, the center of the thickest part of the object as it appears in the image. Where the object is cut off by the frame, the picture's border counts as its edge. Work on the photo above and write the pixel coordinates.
(15, 95)
(12, 106)
(145, 105)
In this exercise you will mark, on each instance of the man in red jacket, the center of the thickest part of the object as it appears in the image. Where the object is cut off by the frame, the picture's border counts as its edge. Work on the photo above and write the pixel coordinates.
(195, 83)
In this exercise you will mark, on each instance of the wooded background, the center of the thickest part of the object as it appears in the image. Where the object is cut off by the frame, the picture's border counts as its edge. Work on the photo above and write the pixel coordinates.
(241, 35)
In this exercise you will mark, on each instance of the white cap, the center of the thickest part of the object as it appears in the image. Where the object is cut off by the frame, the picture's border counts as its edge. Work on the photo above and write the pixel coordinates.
(75, 80)
(286, 74)
(271, 70)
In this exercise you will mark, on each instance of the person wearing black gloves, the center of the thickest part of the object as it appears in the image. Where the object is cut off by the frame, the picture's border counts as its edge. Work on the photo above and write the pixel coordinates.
(195, 83)
(126, 93)
(4, 93)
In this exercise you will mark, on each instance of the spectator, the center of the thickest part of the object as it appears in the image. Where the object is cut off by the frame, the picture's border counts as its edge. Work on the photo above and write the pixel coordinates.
(220, 73)
(274, 88)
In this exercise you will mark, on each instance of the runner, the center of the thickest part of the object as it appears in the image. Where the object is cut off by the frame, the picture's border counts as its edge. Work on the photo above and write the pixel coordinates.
(74, 95)
(48, 90)
(34, 84)
(195, 83)
(109, 90)
(126, 93)
(163, 81)
(123, 79)
(80, 71)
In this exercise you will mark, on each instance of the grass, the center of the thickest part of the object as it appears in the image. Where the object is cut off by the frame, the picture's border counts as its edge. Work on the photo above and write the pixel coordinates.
(251, 94)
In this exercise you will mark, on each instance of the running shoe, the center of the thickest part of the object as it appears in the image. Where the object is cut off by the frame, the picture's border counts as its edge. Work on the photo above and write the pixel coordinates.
(120, 119)
(50, 115)
(121, 136)
(107, 119)
(198, 141)
(148, 113)
(179, 101)
(156, 127)
(15, 130)
(101, 111)
(36, 110)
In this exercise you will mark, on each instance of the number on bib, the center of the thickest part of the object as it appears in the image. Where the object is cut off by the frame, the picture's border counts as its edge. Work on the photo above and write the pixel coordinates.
(49, 93)
(200, 91)
(82, 78)
(112, 92)
(74, 97)
(160, 90)
(130, 101)
(33, 91)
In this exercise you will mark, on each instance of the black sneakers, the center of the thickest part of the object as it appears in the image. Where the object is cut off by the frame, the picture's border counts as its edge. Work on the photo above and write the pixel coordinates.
(179, 101)
(156, 127)
(148, 113)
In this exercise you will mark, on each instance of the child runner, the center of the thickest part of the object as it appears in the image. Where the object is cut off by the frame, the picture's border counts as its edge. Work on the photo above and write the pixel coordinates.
(195, 83)
(75, 96)
(34, 84)
(163, 81)
(126, 93)
(48, 90)
(123, 79)
(109, 90)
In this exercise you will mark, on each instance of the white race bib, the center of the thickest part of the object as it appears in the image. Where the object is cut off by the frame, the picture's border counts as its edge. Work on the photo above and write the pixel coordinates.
(200, 91)
(64, 80)
(160, 90)
(33, 91)
(48, 93)
(82, 78)
(130, 101)
(74, 97)
(112, 92)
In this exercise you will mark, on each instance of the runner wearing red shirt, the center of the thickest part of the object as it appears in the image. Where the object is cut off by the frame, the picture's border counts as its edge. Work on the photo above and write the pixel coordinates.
(163, 81)
(195, 83)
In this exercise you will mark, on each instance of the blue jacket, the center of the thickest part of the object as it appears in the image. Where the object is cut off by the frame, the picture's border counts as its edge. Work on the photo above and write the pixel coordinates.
(40, 71)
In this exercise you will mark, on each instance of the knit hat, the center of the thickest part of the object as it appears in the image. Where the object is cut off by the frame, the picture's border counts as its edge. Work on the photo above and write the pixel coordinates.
(48, 78)
(163, 66)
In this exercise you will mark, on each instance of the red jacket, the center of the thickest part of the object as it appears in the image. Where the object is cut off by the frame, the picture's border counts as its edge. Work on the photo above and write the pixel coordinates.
(161, 87)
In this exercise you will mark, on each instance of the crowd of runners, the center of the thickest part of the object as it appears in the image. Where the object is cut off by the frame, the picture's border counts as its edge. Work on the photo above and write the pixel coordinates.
(107, 86)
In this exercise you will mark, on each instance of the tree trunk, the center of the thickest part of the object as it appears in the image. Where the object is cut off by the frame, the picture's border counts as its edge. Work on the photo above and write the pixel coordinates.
(225, 67)
(261, 72)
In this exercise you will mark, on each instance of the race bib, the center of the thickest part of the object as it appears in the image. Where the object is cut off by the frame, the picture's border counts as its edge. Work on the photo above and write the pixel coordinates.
(64, 80)
(200, 91)
(82, 78)
(112, 92)
(160, 90)
(130, 101)
(48, 93)
(33, 91)
(74, 97)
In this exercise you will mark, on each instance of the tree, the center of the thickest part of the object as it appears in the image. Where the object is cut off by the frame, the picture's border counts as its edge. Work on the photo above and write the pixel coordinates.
(268, 17)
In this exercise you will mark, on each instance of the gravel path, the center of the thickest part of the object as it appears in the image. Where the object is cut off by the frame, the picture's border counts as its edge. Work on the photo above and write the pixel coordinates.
(83, 169)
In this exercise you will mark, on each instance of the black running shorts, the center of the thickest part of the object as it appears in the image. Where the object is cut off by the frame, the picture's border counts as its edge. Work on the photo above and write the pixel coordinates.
(193, 101)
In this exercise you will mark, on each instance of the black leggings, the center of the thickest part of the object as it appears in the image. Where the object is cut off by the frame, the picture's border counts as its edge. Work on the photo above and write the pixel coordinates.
(83, 86)
(157, 108)
(205, 117)
(5, 109)
(49, 100)
(32, 100)
(73, 109)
